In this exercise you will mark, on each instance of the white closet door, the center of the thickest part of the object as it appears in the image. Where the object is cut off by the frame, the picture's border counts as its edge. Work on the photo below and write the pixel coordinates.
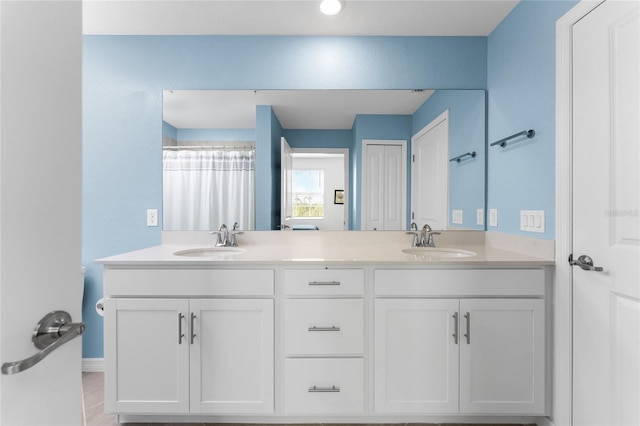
(430, 174)
(373, 188)
(384, 185)
(394, 190)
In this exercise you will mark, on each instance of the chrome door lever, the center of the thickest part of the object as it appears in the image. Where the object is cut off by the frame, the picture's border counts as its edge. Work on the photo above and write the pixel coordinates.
(585, 262)
(53, 331)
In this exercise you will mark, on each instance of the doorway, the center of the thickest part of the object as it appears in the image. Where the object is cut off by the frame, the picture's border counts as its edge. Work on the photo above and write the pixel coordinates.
(319, 189)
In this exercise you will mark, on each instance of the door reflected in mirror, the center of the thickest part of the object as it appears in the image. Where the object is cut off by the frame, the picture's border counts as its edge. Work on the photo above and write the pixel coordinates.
(318, 121)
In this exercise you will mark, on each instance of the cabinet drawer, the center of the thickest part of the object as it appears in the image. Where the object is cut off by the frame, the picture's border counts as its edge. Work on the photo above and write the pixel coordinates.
(324, 386)
(324, 326)
(460, 282)
(188, 282)
(323, 282)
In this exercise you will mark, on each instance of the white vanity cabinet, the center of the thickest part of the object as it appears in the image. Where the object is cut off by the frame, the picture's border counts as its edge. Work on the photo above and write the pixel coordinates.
(177, 355)
(466, 341)
(324, 334)
(330, 342)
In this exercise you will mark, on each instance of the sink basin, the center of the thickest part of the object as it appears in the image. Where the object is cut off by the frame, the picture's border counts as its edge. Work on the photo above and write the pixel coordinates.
(430, 253)
(217, 252)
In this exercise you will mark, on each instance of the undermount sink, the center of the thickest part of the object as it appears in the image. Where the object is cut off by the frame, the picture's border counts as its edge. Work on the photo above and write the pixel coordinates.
(428, 253)
(210, 252)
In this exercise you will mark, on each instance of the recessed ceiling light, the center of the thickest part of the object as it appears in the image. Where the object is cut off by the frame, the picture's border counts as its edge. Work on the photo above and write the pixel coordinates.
(330, 7)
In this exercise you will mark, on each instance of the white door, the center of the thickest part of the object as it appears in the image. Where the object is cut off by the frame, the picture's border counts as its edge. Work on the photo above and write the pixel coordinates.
(384, 184)
(40, 207)
(147, 356)
(416, 356)
(232, 356)
(502, 356)
(286, 167)
(606, 218)
(430, 174)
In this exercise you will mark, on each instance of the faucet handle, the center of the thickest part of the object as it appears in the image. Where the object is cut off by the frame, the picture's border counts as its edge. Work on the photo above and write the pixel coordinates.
(416, 239)
(218, 235)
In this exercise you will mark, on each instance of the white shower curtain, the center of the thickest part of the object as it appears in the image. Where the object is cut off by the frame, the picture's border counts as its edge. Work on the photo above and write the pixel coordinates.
(203, 189)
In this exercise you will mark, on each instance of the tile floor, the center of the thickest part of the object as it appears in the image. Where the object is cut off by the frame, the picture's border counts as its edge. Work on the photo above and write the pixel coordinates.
(93, 408)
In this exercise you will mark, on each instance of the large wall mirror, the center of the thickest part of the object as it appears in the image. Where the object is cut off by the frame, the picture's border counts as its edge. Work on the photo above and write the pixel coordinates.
(346, 159)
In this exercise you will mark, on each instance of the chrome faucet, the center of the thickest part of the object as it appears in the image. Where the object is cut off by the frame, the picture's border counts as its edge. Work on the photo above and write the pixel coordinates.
(224, 238)
(424, 238)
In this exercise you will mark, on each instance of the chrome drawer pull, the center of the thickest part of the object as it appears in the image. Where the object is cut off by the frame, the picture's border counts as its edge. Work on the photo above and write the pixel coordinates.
(321, 389)
(455, 328)
(468, 333)
(332, 328)
(193, 334)
(324, 282)
(180, 333)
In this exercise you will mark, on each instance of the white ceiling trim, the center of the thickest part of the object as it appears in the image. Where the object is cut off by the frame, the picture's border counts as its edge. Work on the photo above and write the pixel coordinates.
(299, 17)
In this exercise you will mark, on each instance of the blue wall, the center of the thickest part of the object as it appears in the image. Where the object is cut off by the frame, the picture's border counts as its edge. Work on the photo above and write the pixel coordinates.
(218, 135)
(123, 79)
(467, 133)
(319, 138)
(368, 126)
(521, 96)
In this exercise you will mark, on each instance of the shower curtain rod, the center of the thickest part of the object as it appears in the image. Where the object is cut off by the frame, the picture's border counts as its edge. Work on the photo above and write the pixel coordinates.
(219, 147)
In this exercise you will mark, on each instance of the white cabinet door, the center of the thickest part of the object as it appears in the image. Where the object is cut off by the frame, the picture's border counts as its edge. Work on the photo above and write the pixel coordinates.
(232, 356)
(416, 356)
(146, 356)
(502, 356)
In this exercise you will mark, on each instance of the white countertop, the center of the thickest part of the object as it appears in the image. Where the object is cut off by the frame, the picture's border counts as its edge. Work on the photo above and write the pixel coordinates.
(339, 247)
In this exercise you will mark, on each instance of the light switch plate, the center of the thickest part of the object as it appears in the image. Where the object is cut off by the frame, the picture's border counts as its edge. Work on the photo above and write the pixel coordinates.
(532, 221)
(493, 217)
(480, 217)
(456, 217)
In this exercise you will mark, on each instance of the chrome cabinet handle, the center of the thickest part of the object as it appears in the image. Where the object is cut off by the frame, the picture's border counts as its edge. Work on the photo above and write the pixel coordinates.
(468, 333)
(585, 262)
(193, 335)
(313, 389)
(324, 282)
(53, 331)
(180, 333)
(455, 328)
(332, 328)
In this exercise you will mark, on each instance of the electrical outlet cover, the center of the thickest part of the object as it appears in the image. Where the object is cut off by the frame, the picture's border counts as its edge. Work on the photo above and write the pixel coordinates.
(493, 217)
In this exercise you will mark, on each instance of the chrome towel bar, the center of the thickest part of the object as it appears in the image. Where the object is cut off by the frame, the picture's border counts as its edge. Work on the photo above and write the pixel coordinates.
(503, 142)
(459, 158)
(53, 331)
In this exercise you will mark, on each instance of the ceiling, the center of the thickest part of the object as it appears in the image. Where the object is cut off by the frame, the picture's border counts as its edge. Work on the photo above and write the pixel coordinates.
(336, 109)
(300, 17)
(295, 109)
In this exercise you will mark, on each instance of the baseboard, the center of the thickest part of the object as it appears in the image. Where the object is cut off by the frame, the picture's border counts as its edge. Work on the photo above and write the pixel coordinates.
(544, 421)
(92, 365)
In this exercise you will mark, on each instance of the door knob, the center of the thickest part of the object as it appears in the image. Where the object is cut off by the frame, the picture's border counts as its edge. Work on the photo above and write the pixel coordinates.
(585, 262)
(53, 331)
